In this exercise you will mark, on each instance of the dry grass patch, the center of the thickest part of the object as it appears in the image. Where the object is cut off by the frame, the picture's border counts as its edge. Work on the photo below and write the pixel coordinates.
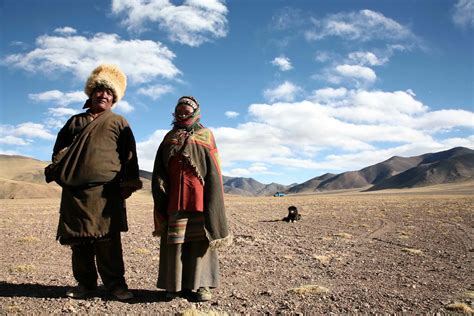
(404, 234)
(460, 307)
(309, 289)
(194, 312)
(142, 251)
(322, 259)
(412, 251)
(13, 309)
(457, 219)
(23, 268)
(28, 239)
(343, 235)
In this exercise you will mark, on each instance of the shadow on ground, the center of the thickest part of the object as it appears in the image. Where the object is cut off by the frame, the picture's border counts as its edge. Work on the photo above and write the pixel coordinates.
(35, 290)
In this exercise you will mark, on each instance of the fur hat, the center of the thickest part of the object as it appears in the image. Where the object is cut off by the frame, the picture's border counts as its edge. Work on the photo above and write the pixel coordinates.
(109, 76)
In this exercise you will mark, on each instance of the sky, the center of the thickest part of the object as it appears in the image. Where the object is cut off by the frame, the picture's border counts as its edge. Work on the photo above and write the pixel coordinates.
(291, 89)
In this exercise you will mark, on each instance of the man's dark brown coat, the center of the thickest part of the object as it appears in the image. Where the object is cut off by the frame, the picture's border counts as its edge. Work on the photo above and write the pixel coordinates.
(100, 159)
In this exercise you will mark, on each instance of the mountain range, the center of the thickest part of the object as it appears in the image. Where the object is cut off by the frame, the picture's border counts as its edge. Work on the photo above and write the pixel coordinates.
(454, 165)
(22, 177)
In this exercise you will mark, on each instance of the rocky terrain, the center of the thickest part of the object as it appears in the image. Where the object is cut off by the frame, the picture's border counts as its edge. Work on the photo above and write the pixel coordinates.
(392, 252)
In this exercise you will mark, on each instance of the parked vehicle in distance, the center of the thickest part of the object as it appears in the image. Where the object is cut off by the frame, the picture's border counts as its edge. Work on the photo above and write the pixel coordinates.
(278, 194)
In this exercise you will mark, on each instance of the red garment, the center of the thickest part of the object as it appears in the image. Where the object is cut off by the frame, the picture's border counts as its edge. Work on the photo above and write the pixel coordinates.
(186, 192)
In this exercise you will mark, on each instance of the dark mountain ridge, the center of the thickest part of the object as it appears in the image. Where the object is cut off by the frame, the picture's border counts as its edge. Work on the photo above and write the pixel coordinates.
(454, 165)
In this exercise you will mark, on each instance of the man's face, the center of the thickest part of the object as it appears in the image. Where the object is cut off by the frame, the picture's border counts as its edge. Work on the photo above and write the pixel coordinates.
(101, 100)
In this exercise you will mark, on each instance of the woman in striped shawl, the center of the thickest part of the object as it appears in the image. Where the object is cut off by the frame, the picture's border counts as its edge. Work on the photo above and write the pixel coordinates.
(189, 207)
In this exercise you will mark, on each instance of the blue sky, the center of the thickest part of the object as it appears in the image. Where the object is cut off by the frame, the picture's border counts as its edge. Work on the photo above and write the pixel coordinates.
(291, 89)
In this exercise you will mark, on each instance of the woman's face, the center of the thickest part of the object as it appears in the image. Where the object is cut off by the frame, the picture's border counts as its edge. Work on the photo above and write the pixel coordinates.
(101, 100)
(183, 112)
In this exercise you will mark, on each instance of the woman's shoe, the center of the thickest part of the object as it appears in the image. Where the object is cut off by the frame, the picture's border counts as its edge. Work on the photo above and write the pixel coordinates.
(80, 292)
(171, 295)
(122, 294)
(187, 294)
(203, 294)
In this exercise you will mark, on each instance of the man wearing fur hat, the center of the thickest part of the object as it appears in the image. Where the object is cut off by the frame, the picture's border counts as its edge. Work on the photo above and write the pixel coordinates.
(95, 162)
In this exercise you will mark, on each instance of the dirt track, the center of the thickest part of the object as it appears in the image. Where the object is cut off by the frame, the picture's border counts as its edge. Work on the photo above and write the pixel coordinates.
(375, 253)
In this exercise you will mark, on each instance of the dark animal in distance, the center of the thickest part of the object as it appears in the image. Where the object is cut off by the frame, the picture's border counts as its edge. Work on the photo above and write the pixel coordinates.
(292, 215)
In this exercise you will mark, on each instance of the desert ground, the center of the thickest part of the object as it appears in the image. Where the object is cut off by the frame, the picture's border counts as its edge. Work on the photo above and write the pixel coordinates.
(398, 251)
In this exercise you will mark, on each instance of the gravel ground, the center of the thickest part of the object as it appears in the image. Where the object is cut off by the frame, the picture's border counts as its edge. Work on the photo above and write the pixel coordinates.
(350, 253)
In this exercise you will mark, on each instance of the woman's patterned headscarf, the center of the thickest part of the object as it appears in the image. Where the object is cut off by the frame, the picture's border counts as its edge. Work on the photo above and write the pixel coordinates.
(191, 121)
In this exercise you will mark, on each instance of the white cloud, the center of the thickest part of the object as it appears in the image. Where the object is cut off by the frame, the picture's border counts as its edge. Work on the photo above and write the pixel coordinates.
(329, 94)
(397, 101)
(231, 114)
(375, 107)
(356, 72)
(123, 106)
(67, 30)
(10, 152)
(364, 25)
(366, 58)
(146, 150)
(287, 18)
(410, 92)
(62, 111)
(283, 63)
(240, 144)
(33, 130)
(141, 60)
(323, 56)
(59, 98)
(27, 130)
(192, 23)
(463, 15)
(237, 172)
(19, 44)
(156, 91)
(13, 140)
(254, 168)
(56, 122)
(445, 120)
(455, 142)
(284, 92)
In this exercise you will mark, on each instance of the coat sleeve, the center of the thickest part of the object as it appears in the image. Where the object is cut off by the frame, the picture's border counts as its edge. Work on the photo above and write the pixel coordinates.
(214, 208)
(64, 138)
(160, 194)
(129, 174)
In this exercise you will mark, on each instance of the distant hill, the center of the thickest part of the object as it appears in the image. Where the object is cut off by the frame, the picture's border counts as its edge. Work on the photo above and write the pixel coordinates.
(250, 187)
(449, 166)
(22, 177)
(145, 176)
(453, 165)
(362, 178)
(312, 184)
(240, 186)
